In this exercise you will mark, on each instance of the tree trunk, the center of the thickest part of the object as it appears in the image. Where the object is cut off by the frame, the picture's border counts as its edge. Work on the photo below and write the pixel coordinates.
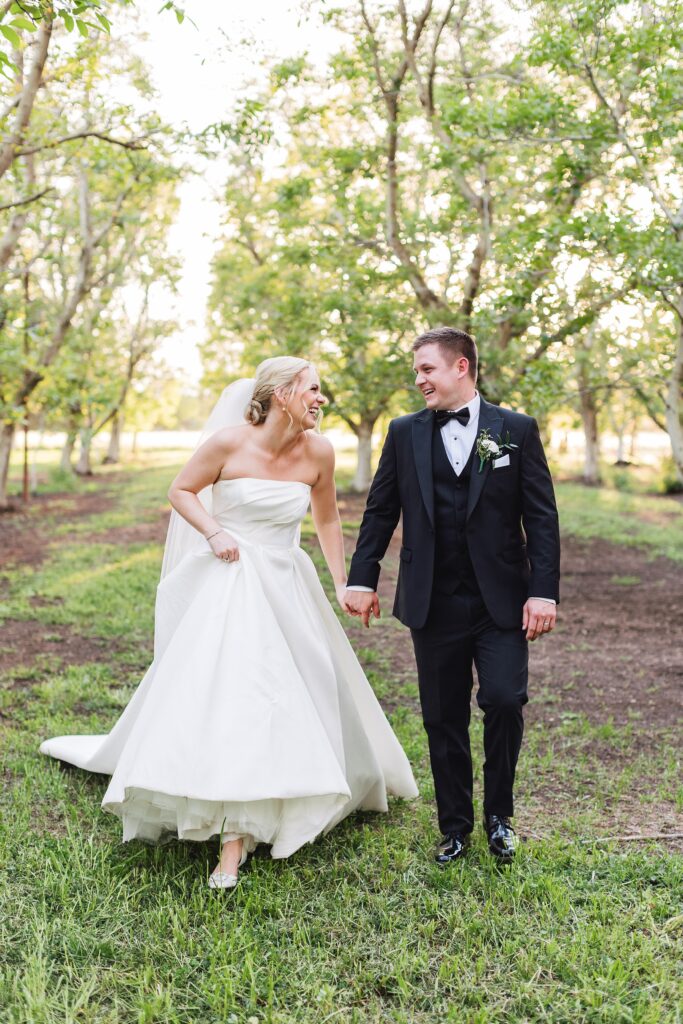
(83, 467)
(632, 440)
(619, 424)
(29, 89)
(38, 447)
(67, 451)
(363, 477)
(114, 451)
(6, 439)
(8, 242)
(619, 428)
(589, 409)
(674, 403)
(589, 417)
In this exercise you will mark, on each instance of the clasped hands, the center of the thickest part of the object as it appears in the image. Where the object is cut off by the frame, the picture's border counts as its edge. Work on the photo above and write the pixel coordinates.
(359, 603)
(538, 617)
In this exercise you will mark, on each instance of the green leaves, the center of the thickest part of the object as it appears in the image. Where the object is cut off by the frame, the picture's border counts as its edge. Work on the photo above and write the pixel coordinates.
(288, 71)
(83, 16)
(23, 23)
(171, 6)
(11, 35)
(249, 127)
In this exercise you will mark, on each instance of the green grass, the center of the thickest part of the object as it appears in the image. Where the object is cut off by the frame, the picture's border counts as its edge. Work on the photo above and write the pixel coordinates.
(636, 520)
(358, 928)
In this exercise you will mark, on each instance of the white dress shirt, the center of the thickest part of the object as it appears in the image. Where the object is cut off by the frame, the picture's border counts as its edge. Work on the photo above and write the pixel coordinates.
(458, 440)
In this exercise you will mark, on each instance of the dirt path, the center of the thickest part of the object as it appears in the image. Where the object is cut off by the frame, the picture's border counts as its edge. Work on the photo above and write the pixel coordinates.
(616, 656)
(618, 648)
(617, 652)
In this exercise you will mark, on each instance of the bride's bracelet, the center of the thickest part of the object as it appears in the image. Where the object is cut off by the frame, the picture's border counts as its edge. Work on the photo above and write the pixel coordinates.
(213, 534)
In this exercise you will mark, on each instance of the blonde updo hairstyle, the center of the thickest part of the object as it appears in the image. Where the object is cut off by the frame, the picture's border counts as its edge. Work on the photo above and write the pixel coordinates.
(278, 374)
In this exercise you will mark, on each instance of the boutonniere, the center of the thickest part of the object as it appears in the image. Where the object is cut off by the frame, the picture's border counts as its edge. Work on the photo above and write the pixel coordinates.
(489, 448)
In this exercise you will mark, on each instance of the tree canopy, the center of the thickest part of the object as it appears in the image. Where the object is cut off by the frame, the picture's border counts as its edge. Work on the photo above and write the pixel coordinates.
(447, 167)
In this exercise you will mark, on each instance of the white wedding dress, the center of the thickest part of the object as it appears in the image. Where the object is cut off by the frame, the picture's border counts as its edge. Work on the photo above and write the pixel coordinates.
(255, 718)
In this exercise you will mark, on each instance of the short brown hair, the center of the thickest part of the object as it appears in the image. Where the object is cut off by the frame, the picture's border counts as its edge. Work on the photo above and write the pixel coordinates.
(453, 343)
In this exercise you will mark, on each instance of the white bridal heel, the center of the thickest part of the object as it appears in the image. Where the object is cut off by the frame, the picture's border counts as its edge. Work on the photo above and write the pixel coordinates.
(222, 880)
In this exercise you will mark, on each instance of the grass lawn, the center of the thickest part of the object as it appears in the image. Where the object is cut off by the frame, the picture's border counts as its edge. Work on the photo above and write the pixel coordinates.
(359, 927)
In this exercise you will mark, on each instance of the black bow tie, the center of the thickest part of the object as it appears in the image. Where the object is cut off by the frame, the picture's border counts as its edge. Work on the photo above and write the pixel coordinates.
(444, 415)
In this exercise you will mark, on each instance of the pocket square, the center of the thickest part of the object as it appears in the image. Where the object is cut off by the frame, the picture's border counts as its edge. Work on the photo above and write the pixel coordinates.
(504, 460)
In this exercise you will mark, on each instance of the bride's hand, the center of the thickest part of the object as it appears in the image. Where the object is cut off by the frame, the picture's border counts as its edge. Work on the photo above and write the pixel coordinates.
(224, 546)
(340, 590)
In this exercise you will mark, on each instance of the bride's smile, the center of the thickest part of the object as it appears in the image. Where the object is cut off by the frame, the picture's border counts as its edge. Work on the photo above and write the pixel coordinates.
(308, 396)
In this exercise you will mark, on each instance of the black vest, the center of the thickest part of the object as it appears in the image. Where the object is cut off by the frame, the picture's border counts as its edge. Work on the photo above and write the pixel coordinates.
(452, 564)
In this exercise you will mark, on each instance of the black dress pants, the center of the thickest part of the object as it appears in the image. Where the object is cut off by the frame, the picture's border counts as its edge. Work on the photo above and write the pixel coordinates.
(459, 632)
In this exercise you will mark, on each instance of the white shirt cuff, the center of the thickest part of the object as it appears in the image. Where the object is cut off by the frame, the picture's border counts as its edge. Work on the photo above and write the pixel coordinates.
(367, 590)
(549, 600)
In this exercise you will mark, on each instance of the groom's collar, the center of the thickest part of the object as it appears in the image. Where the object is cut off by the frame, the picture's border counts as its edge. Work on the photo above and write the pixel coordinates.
(473, 405)
(490, 416)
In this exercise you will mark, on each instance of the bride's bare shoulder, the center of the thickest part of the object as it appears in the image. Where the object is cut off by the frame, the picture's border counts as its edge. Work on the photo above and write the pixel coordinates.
(319, 442)
(320, 448)
(229, 439)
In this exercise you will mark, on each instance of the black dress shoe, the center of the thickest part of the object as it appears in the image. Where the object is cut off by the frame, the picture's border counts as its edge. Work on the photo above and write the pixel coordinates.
(452, 847)
(501, 836)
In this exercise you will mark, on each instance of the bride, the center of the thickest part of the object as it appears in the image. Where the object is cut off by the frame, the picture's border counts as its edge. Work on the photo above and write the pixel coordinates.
(254, 722)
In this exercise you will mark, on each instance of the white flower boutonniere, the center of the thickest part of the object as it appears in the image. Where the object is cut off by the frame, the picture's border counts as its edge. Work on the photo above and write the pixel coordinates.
(488, 448)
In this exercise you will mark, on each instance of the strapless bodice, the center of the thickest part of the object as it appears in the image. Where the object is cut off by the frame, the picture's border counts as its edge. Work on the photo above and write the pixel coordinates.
(262, 512)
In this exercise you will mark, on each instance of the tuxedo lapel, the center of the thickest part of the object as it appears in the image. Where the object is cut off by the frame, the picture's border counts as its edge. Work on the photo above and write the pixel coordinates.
(423, 428)
(491, 420)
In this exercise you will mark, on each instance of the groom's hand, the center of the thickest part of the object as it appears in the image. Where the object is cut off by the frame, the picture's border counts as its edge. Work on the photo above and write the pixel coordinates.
(362, 604)
(538, 617)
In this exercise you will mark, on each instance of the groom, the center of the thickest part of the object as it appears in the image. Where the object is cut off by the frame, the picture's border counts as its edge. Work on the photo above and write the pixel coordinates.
(479, 574)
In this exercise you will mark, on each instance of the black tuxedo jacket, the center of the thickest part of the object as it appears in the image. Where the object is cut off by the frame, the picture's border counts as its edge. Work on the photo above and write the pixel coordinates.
(512, 524)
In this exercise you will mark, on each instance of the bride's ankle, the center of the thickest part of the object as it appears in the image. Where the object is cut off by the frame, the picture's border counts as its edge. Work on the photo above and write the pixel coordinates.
(230, 856)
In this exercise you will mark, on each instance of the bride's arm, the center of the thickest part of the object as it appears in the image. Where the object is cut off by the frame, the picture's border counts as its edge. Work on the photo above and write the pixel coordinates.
(202, 469)
(326, 518)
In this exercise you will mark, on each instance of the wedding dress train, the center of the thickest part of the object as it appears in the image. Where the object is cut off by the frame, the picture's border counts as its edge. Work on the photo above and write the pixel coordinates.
(255, 718)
